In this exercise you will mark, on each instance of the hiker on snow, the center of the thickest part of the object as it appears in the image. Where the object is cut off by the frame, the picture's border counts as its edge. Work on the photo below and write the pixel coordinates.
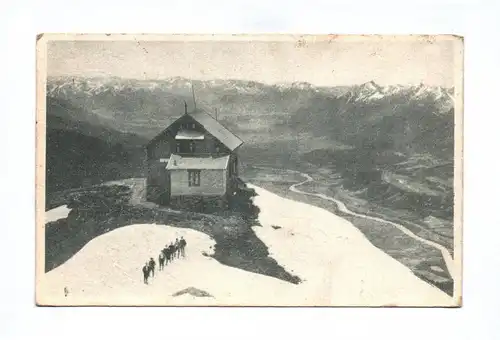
(177, 248)
(145, 272)
(161, 260)
(182, 245)
(152, 265)
(171, 251)
(165, 254)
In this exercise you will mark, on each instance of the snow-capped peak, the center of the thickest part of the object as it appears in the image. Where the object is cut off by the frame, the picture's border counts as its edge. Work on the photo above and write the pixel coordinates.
(371, 91)
(367, 91)
(371, 86)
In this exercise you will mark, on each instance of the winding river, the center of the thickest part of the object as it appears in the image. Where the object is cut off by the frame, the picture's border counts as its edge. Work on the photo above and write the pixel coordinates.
(450, 264)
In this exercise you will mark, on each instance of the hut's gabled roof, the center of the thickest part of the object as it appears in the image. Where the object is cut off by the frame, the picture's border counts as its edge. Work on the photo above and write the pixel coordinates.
(212, 126)
(216, 129)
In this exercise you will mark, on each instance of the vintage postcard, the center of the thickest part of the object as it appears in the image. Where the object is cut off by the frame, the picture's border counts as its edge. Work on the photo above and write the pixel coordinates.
(249, 170)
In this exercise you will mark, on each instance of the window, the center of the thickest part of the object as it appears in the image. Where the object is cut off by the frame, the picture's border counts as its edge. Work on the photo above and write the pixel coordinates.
(192, 126)
(194, 178)
(178, 147)
(192, 147)
(218, 147)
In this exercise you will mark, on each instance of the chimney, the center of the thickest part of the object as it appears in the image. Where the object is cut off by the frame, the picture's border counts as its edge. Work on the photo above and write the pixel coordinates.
(216, 115)
(185, 107)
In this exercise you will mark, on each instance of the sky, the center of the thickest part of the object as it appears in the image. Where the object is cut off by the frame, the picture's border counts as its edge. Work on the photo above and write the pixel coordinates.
(328, 61)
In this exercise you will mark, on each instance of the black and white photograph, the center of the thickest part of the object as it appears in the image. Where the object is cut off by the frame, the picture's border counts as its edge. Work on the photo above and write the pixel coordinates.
(249, 170)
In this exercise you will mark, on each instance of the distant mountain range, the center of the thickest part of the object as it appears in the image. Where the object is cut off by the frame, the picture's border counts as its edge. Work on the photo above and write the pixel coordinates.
(144, 107)
(67, 87)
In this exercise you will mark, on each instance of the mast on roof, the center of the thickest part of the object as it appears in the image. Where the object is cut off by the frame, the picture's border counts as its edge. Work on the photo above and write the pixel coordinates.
(194, 98)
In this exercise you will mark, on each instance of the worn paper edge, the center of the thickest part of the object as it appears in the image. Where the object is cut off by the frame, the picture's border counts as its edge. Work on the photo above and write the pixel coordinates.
(41, 87)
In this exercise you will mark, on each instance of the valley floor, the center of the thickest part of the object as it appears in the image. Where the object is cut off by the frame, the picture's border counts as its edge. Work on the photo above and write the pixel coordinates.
(337, 266)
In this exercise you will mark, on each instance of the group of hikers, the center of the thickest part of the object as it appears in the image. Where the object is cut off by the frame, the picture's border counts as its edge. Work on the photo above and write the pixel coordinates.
(173, 251)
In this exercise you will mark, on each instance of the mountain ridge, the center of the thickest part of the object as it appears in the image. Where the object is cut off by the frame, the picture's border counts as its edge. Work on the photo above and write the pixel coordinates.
(404, 117)
(96, 85)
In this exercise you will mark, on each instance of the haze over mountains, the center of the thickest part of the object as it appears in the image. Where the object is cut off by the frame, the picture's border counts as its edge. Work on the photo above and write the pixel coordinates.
(395, 141)
(255, 109)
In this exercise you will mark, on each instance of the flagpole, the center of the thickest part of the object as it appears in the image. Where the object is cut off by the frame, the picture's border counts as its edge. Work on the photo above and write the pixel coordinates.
(194, 99)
